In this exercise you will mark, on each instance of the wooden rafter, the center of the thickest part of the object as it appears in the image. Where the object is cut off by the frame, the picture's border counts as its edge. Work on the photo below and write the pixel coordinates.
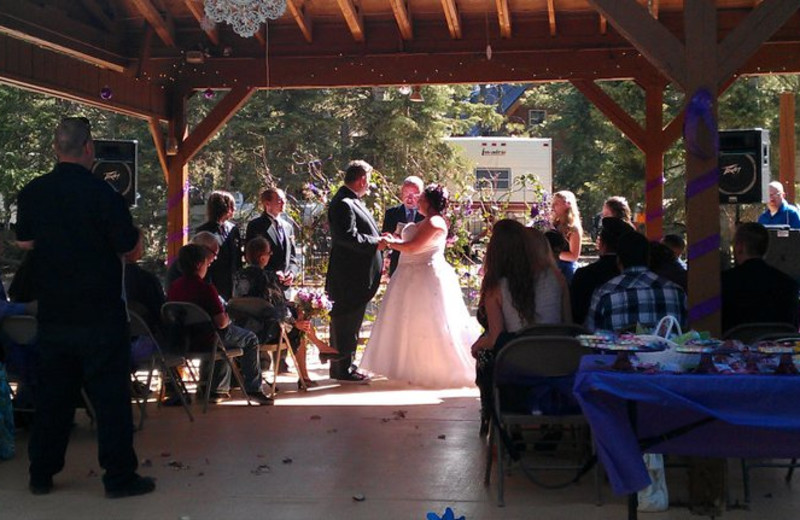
(161, 146)
(403, 18)
(302, 19)
(504, 18)
(654, 9)
(98, 14)
(603, 24)
(453, 18)
(162, 26)
(353, 17)
(621, 119)
(650, 37)
(50, 28)
(196, 8)
(748, 36)
(551, 16)
(225, 109)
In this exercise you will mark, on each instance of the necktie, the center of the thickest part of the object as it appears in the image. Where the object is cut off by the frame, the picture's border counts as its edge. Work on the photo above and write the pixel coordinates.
(409, 215)
(279, 231)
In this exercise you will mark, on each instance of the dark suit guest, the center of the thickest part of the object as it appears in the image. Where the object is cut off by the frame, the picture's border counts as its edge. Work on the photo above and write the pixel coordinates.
(403, 213)
(279, 232)
(354, 267)
(219, 210)
(754, 291)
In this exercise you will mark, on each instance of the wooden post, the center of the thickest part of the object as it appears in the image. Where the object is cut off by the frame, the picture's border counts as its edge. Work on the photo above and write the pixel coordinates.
(787, 145)
(654, 161)
(177, 182)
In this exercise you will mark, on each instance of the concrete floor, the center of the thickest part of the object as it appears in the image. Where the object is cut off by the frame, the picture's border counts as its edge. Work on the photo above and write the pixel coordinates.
(406, 451)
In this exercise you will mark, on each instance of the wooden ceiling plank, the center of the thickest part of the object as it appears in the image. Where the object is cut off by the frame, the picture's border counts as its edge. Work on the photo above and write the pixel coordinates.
(162, 26)
(403, 18)
(453, 17)
(551, 16)
(98, 14)
(225, 109)
(650, 37)
(50, 28)
(615, 113)
(747, 37)
(302, 19)
(353, 17)
(504, 18)
(196, 8)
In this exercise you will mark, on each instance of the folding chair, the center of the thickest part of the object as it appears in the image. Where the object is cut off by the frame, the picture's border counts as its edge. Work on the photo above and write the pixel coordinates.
(254, 313)
(751, 333)
(554, 329)
(23, 330)
(164, 363)
(185, 318)
(533, 360)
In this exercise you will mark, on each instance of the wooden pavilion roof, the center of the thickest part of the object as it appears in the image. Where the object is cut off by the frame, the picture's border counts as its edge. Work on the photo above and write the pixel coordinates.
(79, 46)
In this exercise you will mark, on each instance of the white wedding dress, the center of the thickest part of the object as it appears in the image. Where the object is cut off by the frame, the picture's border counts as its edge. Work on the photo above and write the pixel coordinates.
(423, 332)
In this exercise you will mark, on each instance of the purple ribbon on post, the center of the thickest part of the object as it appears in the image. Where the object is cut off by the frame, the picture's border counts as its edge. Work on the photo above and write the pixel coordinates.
(700, 110)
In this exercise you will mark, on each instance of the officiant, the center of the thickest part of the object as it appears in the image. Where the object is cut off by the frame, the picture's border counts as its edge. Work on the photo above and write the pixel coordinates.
(396, 217)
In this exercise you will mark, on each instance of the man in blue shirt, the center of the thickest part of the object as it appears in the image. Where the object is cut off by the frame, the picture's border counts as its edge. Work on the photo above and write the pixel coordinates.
(779, 212)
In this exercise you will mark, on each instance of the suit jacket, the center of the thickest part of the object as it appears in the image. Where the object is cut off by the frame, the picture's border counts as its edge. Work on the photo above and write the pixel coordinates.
(757, 292)
(586, 280)
(354, 267)
(284, 253)
(391, 218)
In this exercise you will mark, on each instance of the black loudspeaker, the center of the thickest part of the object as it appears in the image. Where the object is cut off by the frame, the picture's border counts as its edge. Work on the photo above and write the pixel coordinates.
(116, 162)
(784, 250)
(743, 166)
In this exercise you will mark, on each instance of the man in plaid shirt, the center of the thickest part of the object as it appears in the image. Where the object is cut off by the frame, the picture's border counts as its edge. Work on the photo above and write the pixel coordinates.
(638, 295)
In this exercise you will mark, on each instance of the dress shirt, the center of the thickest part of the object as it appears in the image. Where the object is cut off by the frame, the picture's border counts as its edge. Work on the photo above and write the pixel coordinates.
(787, 215)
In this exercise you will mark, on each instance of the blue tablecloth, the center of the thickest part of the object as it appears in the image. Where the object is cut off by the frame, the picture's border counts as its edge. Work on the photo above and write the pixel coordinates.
(754, 416)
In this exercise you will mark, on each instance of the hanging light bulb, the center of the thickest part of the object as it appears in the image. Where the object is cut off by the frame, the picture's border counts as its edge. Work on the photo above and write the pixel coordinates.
(488, 52)
(404, 89)
(416, 95)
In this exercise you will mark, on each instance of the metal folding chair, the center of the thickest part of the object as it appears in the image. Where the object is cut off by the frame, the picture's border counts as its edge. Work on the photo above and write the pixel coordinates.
(158, 360)
(254, 314)
(534, 359)
(186, 318)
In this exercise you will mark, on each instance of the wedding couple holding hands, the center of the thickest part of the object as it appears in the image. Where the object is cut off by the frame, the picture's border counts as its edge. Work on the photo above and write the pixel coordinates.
(423, 331)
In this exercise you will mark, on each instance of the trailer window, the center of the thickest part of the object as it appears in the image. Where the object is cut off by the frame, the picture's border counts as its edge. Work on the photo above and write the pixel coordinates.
(495, 178)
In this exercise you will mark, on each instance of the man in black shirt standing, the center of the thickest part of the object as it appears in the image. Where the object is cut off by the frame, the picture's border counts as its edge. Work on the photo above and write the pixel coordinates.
(78, 228)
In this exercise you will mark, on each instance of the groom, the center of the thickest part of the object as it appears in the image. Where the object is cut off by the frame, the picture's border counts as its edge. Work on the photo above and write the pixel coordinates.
(354, 267)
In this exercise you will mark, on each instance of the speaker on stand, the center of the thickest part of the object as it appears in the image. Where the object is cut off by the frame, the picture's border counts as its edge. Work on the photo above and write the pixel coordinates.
(116, 162)
(744, 173)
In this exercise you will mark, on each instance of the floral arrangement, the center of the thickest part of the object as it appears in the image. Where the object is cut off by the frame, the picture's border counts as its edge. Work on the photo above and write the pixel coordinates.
(312, 303)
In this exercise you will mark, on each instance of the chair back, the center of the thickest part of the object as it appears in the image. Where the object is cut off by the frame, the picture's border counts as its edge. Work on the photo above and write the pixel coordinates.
(751, 332)
(138, 327)
(554, 329)
(186, 322)
(255, 314)
(21, 330)
(536, 357)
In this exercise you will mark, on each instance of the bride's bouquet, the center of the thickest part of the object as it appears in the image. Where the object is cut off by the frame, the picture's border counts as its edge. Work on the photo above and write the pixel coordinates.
(312, 304)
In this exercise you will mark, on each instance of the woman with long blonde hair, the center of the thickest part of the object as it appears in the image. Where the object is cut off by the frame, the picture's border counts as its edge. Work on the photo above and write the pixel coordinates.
(567, 221)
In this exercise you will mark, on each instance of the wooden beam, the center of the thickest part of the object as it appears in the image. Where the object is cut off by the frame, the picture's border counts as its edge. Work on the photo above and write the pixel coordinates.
(504, 18)
(603, 24)
(747, 37)
(787, 148)
(196, 8)
(453, 18)
(162, 26)
(654, 161)
(224, 110)
(353, 17)
(551, 16)
(160, 143)
(651, 38)
(615, 113)
(654, 8)
(178, 182)
(97, 13)
(55, 74)
(303, 21)
(50, 28)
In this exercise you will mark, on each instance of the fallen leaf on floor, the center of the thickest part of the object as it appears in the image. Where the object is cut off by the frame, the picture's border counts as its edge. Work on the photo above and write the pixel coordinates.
(442, 436)
(201, 474)
(399, 414)
(385, 420)
(261, 469)
(332, 430)
(176, 464)
(315, 417)
(359, 497)
(165, 454)
(287, 460)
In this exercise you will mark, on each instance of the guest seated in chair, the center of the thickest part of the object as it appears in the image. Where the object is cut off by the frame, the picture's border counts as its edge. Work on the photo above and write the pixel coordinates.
(194, 261)
(521, 287)
(254, 281)
(754, 291)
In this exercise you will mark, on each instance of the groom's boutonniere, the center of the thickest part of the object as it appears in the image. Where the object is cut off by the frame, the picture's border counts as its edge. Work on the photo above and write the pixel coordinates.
(448, 515)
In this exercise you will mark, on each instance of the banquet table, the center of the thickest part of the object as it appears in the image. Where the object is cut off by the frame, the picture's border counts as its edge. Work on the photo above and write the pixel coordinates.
(707, 415)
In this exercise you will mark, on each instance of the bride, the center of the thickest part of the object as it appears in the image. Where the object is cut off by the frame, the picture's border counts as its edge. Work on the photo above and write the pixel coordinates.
(424, 331)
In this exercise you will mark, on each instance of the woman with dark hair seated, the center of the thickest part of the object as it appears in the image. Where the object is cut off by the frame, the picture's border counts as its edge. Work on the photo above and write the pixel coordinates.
(254, 281)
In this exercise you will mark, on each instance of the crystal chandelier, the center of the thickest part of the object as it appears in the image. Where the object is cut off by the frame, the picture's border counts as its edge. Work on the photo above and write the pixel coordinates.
(245, 16)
